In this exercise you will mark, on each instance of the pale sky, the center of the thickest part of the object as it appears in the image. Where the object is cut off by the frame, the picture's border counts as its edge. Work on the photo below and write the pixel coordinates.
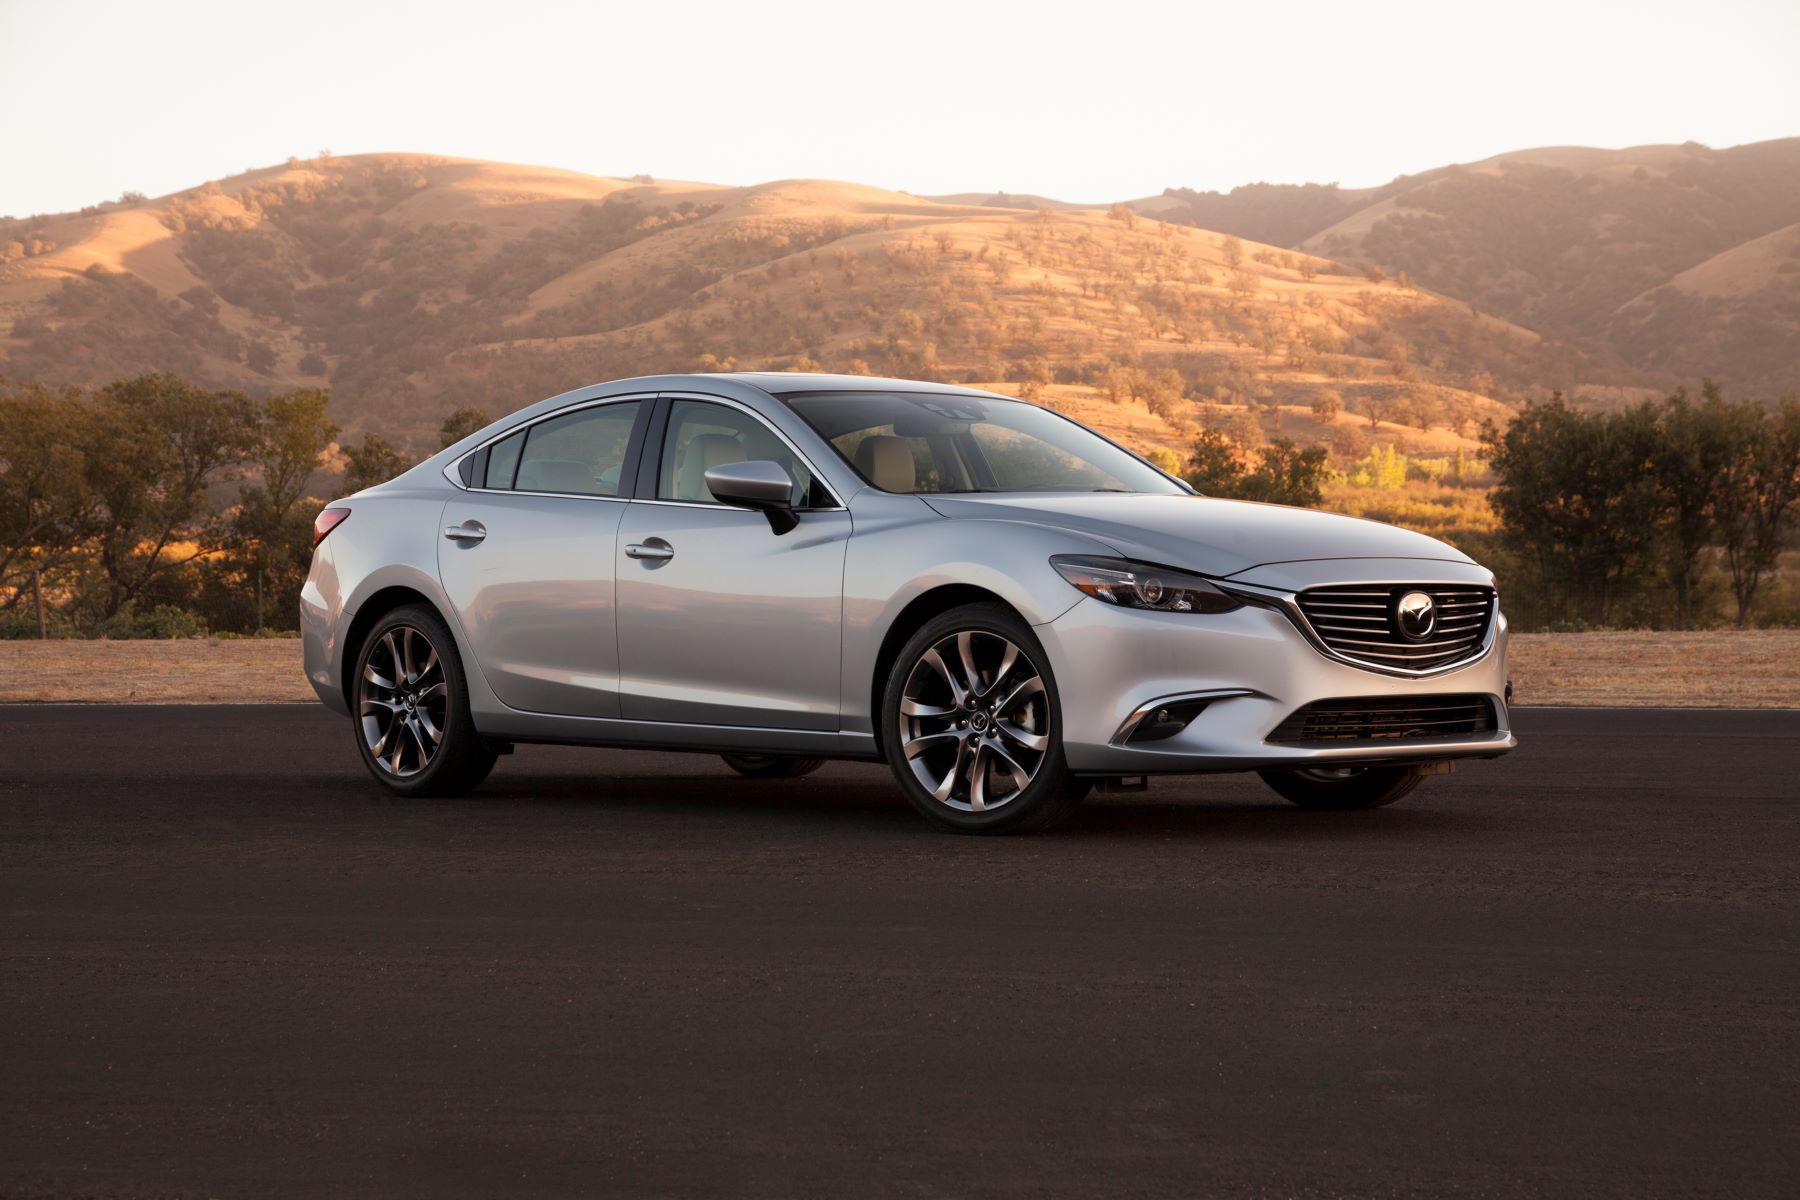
(1088, 102)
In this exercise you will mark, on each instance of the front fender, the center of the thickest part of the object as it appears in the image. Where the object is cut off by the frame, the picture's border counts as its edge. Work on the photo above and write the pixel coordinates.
(902, 549)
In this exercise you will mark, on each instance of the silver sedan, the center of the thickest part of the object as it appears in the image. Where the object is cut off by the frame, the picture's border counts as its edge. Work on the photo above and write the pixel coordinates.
(1004, 606)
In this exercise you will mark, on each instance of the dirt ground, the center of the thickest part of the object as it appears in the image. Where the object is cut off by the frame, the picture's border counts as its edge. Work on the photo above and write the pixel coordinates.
(1716, 669)
(1728, 668)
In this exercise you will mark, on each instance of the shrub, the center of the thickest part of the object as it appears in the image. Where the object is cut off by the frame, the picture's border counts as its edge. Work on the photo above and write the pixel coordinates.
(1384, 467)
(1167, 460)
(164, 621)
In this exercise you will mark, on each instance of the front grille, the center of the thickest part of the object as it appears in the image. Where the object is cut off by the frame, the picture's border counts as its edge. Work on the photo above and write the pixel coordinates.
(1359, 622)
(1388, 719)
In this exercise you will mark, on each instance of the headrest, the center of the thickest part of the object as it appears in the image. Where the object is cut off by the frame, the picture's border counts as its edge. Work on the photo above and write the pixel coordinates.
(704, 452)
(887, 462)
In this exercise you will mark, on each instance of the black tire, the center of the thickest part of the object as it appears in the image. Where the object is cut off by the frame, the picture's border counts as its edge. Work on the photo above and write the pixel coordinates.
(1051, 792)
(771, 766)
(386, 704)
(1343, 789)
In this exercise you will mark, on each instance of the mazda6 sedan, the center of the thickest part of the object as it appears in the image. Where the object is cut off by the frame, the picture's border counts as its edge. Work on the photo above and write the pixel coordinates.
(1005, 607)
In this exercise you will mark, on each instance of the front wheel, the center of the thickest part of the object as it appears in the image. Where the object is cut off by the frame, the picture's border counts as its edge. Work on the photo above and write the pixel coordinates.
(771, 766)
(1343, 789)
(413, 727)
(972, 725)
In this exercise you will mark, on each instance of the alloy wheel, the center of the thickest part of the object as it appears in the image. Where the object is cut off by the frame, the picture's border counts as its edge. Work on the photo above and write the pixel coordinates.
(1330, 774)
(403, 702)
(974, 721)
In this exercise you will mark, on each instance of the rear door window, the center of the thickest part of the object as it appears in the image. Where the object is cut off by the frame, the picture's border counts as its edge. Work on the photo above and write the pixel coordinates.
(581, 454)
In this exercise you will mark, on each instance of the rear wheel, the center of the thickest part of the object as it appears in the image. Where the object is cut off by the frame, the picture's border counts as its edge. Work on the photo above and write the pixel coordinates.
(771, 766)
(972, 725)
(1343, 789)
(413, 727)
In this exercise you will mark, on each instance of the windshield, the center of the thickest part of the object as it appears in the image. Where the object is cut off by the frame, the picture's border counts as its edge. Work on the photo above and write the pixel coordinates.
(906, 442)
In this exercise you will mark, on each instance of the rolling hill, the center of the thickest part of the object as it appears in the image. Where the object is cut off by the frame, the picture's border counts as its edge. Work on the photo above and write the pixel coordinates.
(413, 285)
(1678, 260)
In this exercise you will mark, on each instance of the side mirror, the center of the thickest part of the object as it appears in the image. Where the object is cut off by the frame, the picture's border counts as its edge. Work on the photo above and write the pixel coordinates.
(761, 485)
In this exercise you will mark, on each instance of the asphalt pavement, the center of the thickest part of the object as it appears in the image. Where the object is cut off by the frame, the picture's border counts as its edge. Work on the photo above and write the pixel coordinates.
(230, 965)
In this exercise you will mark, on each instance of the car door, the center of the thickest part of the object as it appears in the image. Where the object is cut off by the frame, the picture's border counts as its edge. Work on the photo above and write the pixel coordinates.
(527, 558)
(721, 620)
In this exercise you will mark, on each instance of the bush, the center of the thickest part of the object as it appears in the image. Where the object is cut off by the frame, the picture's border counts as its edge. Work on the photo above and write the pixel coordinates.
(165, 621)
(1167, 460)
(20, 625)
(1431, 469)
(1383, 467)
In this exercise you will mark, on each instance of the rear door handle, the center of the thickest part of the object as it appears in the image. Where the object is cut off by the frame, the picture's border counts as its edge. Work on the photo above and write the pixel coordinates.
(655, 549)
(472, 532)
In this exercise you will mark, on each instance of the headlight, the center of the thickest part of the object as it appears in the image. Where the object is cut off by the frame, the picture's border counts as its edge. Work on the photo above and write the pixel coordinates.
(1140, 585)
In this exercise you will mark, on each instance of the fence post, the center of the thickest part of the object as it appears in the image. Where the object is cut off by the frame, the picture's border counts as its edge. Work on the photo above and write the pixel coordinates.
(37, 600)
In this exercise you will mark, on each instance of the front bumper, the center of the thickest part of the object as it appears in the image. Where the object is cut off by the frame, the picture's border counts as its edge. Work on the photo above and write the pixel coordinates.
(1257, 668)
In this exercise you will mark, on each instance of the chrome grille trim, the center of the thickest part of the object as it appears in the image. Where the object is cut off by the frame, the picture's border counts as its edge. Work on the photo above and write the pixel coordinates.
(1354, 623)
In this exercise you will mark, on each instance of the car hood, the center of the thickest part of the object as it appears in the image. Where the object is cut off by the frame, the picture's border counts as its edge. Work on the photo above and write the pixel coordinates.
(1201, 533)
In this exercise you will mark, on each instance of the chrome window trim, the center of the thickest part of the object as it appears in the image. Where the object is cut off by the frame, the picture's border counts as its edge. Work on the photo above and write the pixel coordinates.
(728, 402)
(1288, 604)
(453, 468)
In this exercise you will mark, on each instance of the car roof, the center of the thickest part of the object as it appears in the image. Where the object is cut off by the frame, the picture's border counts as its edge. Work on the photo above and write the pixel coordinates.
(785, 382)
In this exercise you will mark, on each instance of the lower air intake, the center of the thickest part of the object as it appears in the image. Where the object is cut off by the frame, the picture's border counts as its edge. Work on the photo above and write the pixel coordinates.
(1388, 719)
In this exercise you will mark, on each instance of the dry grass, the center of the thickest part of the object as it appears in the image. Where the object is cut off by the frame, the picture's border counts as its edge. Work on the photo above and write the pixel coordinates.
(1757, 668)
(186, 672)
(1721, 669)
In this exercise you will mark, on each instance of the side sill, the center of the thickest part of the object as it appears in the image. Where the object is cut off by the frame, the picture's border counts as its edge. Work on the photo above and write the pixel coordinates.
(520, 727)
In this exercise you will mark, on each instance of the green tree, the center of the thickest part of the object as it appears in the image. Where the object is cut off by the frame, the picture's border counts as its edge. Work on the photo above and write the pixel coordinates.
(1757, 499)
(1163, 392)
(1285, 473)
(46, 509)
(1327, 403)
(1691, 458)
(1213, 465)
(160, 444)
(1289, 474)
(1166, 460)
(1578, 500)
(460, 424)
(1383, 467)
(273, 525)
(372, 462)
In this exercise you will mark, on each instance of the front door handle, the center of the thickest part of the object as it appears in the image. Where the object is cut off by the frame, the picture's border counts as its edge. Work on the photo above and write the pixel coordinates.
(654, 549)
(472, 532)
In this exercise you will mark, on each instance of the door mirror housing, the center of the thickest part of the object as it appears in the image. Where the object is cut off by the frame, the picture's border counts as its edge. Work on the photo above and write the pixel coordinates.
(761, 485)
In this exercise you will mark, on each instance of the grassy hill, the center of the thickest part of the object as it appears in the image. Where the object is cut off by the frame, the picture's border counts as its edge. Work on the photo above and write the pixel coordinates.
(412, 285)
(1678, 260)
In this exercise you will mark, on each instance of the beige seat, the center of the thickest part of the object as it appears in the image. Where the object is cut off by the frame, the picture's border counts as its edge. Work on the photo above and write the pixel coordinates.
(700, 455)
(887, 462)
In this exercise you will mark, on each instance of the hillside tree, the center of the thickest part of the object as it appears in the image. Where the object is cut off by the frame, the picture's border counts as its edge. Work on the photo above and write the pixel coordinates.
(46, 510)
(370, 462)
(159, 444)
(1757, 498)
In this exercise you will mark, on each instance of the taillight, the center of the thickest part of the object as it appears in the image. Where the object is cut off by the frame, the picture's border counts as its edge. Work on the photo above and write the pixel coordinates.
(327, 521)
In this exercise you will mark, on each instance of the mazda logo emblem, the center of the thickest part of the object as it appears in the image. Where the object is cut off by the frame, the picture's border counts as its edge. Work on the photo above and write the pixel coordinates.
(1415, 616)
